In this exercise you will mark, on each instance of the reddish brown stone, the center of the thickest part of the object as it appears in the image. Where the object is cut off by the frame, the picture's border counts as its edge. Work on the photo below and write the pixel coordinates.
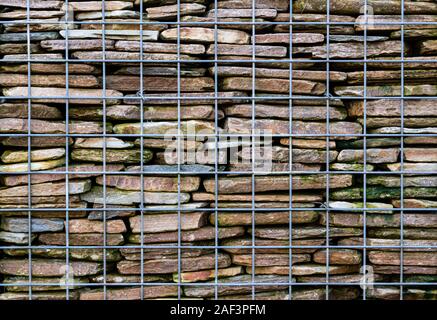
(263, 260)
(229, 185)
(204, 233)
(338, 256)
(48, 268)
(409, 258)
(87, 239)
(87, 226)
(149, 292)
(168, 222)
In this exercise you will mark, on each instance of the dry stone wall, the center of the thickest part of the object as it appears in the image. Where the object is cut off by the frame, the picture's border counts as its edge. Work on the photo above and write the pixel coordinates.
(224, 209)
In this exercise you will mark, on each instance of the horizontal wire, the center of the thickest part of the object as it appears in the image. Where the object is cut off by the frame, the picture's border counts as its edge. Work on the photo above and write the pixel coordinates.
(224, 172)
(224, 284)
(285, 97)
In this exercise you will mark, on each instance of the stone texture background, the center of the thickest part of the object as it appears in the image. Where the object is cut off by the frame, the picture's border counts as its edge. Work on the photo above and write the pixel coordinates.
(312, 154)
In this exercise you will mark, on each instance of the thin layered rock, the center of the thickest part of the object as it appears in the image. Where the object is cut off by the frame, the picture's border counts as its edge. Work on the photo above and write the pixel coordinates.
(291, 168)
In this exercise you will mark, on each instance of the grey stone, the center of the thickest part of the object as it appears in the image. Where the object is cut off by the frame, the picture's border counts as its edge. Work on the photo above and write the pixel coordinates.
(37, 226)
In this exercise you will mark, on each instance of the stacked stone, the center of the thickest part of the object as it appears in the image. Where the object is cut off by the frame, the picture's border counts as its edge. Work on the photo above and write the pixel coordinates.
(233, 208)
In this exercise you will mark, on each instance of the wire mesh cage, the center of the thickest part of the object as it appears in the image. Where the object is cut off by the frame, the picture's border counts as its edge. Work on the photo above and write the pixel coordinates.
(218, 149)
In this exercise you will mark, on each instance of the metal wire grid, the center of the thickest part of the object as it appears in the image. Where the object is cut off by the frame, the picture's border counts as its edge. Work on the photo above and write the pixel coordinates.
(217, 135)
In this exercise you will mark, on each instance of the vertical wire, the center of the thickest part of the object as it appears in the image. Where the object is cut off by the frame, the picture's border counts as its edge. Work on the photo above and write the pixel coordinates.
(141, 153)
(216, 140)
(364, 253)
(104, 146)
(401, 252)
(179, 143)
(290, 158)
(29, 147)
(253, 147)
(327, 147)
(67, 153)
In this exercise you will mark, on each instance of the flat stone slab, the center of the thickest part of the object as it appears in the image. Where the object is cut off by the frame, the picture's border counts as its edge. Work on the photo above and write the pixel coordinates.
(112, 155)
(148, 35)
(273, 283)
(204, 275)
(77, 239)
(303, 87)
(168, 222)
(387, 90)
(296, 197)
(263, 260)
(76, 44)
(206, 35)
(159, 47)
(392, 108)
(38, 111)
(373, 155)
(16, 237)
(229, 185)
(166, 84)
(171, 265)
(409, 258)
(148, 292)
(353, 7)
(87, 226)
(151, 183)
(349, 38)
(46, 68)
(50, 268)
(226, 219)
(97, 5)
(238, 125)
(242, 13)
(34, 166)
(171, 11)
(99, 143)
(194, 168)
(247, 50)
(353, 50)
(116, 14)
(281, 154)
(191, 126)
(393, 181)
(297, 38)
(283, 233)
(12, 156)
(414, 220)
(14, 125)
(88, 254)
(91, 169)
(22, 37)
(280, 5)
(49, 188)
(420, 154)
(338, 256)
(33, 4)
(241, 71)
(201, 234)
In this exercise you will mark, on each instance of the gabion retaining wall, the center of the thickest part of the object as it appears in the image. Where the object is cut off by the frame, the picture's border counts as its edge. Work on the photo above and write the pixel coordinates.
(97, 203)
